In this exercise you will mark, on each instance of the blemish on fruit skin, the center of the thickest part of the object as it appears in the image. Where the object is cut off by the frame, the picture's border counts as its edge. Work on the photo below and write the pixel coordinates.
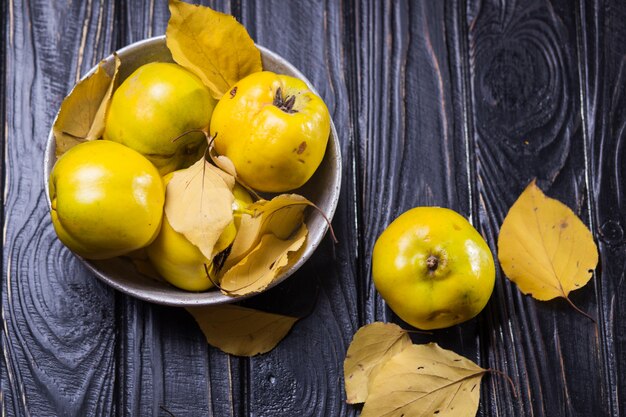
(233, 92)
(301, 148)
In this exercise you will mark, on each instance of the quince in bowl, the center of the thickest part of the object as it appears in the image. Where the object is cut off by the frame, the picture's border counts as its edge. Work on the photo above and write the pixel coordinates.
(322, 189)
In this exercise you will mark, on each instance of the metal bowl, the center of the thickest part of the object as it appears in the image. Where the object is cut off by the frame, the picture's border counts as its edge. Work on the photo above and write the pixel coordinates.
(322, 189)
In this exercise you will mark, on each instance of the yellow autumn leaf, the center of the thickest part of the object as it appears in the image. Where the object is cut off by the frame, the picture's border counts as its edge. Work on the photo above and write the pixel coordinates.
(198, 204)
(424, 380)
(544, 247)
(225, 164)
(241, 331)
(280, 216)
(82, 114)
(212, 45)
(259, 268)
(371, 346)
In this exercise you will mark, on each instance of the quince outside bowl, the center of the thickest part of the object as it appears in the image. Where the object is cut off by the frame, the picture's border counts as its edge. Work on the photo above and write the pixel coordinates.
(322, 189)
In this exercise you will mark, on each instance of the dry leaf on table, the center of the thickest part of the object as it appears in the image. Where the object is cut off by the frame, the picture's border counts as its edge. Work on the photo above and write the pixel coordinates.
(241, 331)
(198, 204)
(82, 114)
(424, 380)
(371, 346)
(259, 268)
(212, 45)
(544, 247)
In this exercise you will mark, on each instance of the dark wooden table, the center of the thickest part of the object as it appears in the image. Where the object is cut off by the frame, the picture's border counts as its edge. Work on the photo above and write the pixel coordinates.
(453, 103)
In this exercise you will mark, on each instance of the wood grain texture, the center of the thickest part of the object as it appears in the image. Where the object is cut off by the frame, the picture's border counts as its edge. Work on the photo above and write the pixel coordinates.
(164, 363)
(458, 103)
(58, 332)
(527, 119)
(413, 152)
(404, 125)
(600, 33)
(303, 375)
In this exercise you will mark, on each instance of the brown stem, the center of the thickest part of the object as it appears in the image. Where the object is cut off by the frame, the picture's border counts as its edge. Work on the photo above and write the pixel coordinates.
(209, 139)
(508, 378)
(188, 132)
(580, 311)
(328, 222)
(212, 154)
(208, 275)
(162, 407)
(418, 332)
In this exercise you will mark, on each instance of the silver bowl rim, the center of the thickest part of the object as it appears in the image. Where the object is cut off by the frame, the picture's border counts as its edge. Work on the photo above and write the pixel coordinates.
(213, 296)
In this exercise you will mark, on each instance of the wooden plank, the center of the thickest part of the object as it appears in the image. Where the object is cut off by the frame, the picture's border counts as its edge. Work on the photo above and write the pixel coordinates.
(164, 362)
(58, 328)
(601, 35)
(412, 133)
(303, 375)
(4, 23)
(408, 149)
(527, 124)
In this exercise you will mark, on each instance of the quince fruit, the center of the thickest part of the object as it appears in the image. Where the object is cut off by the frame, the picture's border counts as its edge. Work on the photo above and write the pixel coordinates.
(160, 110)
(433, 268)
(274, 129)
(107, 199)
